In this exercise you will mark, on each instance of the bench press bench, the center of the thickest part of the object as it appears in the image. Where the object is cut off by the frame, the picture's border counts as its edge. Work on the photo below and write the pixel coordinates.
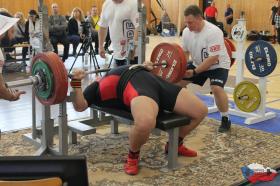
(166, 121)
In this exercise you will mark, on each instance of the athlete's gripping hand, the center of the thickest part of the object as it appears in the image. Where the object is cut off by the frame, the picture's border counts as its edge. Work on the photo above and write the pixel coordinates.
(148, 65)
(78, 74)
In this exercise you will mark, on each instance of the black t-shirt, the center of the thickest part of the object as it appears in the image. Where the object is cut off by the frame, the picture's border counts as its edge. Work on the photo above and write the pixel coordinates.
(274, 10)
(228, 12)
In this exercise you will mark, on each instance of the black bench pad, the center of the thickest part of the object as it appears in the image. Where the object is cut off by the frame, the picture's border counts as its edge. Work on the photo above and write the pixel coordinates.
(165, 120)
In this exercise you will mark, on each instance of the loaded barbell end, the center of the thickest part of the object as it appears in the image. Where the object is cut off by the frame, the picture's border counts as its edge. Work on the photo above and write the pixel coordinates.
(244, 97)
(164, 64)
(258, 59)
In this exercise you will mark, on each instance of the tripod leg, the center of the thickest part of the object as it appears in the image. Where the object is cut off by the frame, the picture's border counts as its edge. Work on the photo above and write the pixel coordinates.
(111, 60)
(94, 57)
(76, 57)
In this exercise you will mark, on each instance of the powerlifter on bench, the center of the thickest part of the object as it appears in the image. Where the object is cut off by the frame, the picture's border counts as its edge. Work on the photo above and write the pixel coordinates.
(166, 121)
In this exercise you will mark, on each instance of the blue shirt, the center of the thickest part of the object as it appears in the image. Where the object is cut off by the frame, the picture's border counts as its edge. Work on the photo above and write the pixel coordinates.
(228, 12)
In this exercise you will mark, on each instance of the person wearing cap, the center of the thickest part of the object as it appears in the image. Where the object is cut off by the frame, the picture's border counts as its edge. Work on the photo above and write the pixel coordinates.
(7, 31)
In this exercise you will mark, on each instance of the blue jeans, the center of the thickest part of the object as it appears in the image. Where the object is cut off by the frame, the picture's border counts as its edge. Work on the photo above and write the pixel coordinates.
(74, 40)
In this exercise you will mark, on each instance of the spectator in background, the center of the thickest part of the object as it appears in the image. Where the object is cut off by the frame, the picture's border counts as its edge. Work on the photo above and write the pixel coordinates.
(32, 29)
(93, 19)
(20, 33)
(211, 13)
(75, 29)
(57, 28)
(277, 24)
(94, 22)
(274, 10)
(229, 19)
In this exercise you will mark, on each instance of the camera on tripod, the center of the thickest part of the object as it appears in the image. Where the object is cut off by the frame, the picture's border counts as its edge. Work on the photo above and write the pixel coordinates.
(86, 28)
(87, 35)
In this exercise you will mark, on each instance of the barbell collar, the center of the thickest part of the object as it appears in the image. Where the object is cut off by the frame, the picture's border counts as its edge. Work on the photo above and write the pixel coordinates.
(32, 80)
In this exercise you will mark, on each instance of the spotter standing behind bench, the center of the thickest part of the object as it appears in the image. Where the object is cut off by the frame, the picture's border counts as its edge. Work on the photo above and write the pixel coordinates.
(144, 95)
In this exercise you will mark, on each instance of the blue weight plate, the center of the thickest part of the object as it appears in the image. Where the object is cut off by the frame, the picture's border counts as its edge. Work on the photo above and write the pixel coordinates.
(260, 58)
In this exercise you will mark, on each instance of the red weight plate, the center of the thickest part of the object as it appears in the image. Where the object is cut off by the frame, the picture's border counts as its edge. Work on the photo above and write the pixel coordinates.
(233, 49)
(166, 52)
(229, 52)
(62, 83)
(230, 44)
(60, 77)
(183, 59)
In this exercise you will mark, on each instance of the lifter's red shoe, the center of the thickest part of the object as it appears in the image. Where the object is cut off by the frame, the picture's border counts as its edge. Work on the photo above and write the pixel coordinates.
(183, 151)
(131, 166)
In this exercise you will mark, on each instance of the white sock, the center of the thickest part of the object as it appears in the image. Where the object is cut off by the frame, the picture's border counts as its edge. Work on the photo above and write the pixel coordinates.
(224, 114)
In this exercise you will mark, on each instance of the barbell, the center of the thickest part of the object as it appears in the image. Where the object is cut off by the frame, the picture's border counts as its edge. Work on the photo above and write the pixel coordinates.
(50, 78)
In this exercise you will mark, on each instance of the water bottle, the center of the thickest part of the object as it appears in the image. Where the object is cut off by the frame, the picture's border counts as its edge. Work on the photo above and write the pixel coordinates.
(106, 62)
(86, 61)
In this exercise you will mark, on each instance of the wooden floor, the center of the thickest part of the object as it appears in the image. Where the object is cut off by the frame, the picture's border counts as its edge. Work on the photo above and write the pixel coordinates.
(17, 115)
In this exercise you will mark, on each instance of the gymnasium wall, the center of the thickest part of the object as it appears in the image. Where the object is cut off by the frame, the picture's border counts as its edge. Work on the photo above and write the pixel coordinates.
(256, 11)
(66, 6)
(175, 10)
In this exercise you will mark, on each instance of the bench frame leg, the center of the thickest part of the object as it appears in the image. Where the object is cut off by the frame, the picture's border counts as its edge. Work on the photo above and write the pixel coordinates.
(114, 126)
(173, 135)
(72, 137)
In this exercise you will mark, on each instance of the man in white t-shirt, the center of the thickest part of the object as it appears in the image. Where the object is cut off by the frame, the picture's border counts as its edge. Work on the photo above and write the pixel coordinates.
(204, 42)
(121, 17)
(7, 30)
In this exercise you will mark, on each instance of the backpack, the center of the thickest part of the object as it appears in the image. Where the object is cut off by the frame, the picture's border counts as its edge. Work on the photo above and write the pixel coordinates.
(253, 35)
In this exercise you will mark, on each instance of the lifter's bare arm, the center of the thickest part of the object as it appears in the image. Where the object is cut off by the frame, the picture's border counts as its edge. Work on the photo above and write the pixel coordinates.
(79, 102)
(9, 94)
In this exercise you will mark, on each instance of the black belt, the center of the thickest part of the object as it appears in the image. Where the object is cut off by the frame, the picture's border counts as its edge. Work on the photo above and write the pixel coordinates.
(124, 79)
